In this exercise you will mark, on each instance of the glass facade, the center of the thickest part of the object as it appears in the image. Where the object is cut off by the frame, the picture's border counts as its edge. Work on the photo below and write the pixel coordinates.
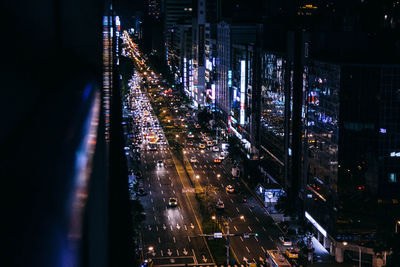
(322, 129)
(275, 114)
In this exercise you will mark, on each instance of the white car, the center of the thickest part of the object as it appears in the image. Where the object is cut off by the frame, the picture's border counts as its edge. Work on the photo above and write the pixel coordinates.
(193, 159)
(221, 157)
(285, 241)
(215, 148)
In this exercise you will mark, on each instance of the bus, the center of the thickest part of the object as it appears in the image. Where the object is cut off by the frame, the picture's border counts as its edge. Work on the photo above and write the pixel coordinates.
(276, 259)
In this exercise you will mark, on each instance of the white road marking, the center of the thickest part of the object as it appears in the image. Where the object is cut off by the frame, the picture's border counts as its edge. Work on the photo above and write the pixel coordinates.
(241, 238)
(150, 192)
(194, 256)
(250, 229)
(157, 228)
(235, 228)
(231, 200)
(155, 218)
(181, 216)
(171, 227)
(189, 240)
(154, 209)
(256, 238)
(177, 252)
(159, 240)
(151, 200)
(264, 229)
(173, 191)
(248, 250)
(162, 253)
(162, 192)
(237, 209)
(270, 238)
(164, 199)
(174, 239)
(257, 219)
(185, 227)
(263, 249)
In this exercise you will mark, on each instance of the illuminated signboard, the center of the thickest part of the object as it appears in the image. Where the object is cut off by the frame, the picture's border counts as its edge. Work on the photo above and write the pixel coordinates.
(229, 78)
(320, 229)
(242, 89)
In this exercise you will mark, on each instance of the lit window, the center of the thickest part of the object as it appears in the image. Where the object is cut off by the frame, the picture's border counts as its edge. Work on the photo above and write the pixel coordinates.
(392, 178)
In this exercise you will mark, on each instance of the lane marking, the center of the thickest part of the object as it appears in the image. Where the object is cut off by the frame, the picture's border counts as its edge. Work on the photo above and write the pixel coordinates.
(249, 228)
(185, 227)
(270, 238)
(241, 238)
(263, 249)
(159, 240)
(256, 238)
(247, 249)
(257, 219)
(237, 209)
(264, 229)
(231, 200)
(174, 239)
(235, 228)
(189, 240)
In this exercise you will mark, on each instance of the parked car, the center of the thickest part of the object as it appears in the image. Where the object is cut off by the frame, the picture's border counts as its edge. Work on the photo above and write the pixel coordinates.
(215, 148)
(193, 159)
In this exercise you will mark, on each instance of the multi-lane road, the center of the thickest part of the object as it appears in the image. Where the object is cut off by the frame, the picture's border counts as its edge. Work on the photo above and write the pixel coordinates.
(173, 236)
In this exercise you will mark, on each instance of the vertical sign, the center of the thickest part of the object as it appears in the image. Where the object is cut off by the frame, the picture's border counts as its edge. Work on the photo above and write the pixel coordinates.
(229, 78)
(242, 89)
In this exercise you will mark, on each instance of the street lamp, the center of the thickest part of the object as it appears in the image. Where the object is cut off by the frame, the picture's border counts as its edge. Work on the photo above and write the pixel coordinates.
(359, 251)
(397, 223)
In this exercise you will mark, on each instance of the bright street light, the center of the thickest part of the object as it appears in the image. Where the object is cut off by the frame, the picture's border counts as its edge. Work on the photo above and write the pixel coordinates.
(151, 248)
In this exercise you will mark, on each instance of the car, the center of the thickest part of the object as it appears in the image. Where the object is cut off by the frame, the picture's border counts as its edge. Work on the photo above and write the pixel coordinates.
(172, 202)
(160, 163)
(215, 148)
(230, 189)
(190, 135)
(217, 160)
(193, 159)
(209, 143)
(221, 157)
(220, 205)
(189, 143)
(141, 191)
(197, 126)
(285, 241)
(202, 146)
